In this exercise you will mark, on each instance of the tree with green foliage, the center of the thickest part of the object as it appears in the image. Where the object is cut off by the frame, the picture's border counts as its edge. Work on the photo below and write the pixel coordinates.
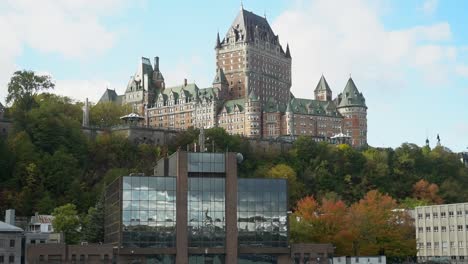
(93, 223)
(66, 221)
(295, 188)
(23, 88)
(107, 114)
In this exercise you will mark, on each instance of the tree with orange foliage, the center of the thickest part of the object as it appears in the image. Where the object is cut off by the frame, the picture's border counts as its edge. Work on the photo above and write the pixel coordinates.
(423, 190)
(371, 226)
(377, 227)
(319, 223)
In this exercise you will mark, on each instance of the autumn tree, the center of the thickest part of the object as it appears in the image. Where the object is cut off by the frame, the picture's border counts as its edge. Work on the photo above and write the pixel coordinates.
(323, 222)
(423, 190)
(378, 227)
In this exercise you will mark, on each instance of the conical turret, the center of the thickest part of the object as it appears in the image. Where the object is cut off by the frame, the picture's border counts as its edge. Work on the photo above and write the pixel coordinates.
(352, 105)
(323, 91)
(288, 53)
(218, 42)
(351, 96)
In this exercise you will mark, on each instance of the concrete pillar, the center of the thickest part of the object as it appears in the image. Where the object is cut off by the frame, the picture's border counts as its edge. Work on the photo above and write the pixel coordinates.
(231, 208)
(181, 212)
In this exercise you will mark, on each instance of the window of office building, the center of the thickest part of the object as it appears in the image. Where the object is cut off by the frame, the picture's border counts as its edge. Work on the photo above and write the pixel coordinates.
(207, 258)
(206, 212)
(161, 259)
(206, 162)
(148, 211)
(262, 212)
(256, 259)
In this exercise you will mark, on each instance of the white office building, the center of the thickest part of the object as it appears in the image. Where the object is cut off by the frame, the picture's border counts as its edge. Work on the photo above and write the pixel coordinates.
(441, 232)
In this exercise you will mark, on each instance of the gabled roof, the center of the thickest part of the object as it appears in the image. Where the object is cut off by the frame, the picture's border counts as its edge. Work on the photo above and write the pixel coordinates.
(351, 96)
(144, 68)
(4, 227)
(322, 85)
(230, 105)
(109, 96)
(41, 219)
(312, 107)
(253, 96)
(190, 90)
(271, 106)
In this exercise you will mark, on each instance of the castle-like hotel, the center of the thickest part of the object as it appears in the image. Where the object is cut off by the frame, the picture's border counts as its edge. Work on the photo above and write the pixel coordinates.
(250, 95)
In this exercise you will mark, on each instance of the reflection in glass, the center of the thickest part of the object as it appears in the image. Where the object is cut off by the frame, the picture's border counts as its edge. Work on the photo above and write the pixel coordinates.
(257, 259)
(148, 213)
(207, 258)
(206, 212)
(261, 213)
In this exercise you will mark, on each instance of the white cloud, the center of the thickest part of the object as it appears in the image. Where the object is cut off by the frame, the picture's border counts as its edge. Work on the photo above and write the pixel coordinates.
(72, 29)
(187, 69)
(462, 70)
(385, 63)
(81, 89)
(429, 7)
(324, 40)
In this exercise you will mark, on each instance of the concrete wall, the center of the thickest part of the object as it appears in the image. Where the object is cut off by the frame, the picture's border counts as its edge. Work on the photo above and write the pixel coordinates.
(6, 251)
(61, 253)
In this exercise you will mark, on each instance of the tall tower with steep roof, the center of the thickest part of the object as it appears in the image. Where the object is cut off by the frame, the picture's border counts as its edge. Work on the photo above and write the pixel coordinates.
(352, 105)
(322, 91)
(253, 59)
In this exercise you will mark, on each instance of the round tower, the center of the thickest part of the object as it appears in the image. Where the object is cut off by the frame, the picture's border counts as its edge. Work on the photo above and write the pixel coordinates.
(352, 106)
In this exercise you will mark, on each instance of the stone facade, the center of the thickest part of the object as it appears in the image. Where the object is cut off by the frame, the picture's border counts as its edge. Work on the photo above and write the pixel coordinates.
(250, 95)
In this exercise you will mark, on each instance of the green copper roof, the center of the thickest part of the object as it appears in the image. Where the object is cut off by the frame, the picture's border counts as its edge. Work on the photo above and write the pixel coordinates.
(220, 77)
(230, 105)
(351, 96)
(322, 85)
(190, 91)
(271, 105)
(312, 107)
(253, 96)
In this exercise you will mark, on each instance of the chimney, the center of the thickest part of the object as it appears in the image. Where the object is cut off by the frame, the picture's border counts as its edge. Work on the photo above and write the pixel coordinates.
(185, 82)
(156, 63)
(10, 216)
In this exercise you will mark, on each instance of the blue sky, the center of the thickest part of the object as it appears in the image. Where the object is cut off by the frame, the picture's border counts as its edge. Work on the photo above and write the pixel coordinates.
(409, 58)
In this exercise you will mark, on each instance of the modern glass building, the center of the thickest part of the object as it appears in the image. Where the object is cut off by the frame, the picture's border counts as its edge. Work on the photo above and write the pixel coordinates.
(196, 210)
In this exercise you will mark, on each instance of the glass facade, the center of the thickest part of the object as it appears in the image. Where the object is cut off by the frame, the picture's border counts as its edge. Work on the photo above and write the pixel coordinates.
(208, 258)
(148, 211)
(257, 259)
(262, 212)
(206, 212)
(160, 259)
(206, 162)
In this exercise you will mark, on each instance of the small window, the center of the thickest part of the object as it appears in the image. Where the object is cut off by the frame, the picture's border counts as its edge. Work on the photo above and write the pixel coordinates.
(2, 259)
(41, 258)
(11, 259)
(12, 243)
